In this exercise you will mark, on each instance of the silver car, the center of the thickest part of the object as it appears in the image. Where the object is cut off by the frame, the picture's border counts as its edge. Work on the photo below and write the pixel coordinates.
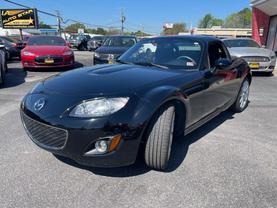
(258, 58)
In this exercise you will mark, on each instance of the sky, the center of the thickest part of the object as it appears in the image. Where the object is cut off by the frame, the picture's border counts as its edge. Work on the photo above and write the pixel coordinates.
(149, 15)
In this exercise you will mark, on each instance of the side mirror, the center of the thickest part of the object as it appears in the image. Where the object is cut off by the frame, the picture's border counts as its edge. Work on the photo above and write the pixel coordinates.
(223, 63)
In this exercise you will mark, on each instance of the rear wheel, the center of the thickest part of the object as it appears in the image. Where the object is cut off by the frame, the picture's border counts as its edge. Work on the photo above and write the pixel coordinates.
(159, 138)
(8, 55)
(243, 97)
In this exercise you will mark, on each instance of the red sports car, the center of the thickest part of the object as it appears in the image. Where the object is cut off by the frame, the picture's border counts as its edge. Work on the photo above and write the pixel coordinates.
(46, 52)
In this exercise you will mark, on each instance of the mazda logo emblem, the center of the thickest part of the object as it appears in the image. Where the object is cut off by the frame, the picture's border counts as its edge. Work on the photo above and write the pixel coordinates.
(39, 104)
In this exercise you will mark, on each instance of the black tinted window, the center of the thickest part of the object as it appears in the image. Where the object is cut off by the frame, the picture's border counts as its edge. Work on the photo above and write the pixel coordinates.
(241, 43)
(177, 53)
(46, 40)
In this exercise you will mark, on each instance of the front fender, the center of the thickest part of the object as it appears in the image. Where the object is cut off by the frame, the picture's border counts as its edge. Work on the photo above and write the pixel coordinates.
(151, 101)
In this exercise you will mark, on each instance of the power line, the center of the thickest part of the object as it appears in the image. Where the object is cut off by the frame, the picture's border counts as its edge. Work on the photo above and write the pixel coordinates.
(57, 16)
(43, 12)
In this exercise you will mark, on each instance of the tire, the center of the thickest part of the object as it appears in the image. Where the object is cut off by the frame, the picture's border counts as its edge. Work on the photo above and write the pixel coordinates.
(159, 138)
(241, 102)
(81, 47)
(8, 55)
(4, 65)
(2, 77)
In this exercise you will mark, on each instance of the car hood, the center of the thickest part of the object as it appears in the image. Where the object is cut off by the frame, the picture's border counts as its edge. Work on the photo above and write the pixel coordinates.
(46, 50)
(112, 50)
(250, 51)
(106, 79)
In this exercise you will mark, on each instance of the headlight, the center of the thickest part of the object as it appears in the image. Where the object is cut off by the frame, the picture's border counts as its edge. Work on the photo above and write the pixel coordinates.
(97, 55)
(68, 53)
(98, 107)
(27, 53)
(273, 57)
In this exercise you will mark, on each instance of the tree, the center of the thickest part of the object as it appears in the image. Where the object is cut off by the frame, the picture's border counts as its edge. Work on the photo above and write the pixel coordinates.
(177, 28)
(241, 19)
(209, 20)
(206, 21)
(73, 28)
(44, 25)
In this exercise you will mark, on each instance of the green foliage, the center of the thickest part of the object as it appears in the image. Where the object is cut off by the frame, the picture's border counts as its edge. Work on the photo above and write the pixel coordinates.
(73, 28)
(138, 33)
(209, 20)
(177, 28)
(43, 25)
(241, 19)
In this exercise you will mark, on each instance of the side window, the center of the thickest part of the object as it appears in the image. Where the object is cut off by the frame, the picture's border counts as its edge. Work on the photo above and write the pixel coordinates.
(216, 51)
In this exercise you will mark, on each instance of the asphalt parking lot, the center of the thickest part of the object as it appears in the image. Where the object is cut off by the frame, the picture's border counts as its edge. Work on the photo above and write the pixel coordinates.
(230, 162)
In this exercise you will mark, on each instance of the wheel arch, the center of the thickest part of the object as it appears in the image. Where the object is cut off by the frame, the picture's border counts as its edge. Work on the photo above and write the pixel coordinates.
(166, 95)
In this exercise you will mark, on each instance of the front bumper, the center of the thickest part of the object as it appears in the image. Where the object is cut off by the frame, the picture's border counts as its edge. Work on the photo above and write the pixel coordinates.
(69, 138)
(265, 66)
(29, 62)
(99, 61)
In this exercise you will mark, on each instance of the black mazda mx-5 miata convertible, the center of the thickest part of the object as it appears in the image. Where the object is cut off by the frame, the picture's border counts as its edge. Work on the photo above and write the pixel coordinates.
(160, 88)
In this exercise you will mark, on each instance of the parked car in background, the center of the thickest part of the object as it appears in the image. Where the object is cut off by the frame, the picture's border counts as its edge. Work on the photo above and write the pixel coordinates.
(25, 40)
(103, 115)
(79, 41)
(13, 47)
(46, 52)
(3, 63)
(112, 48)
(96, 42)
(259, 58)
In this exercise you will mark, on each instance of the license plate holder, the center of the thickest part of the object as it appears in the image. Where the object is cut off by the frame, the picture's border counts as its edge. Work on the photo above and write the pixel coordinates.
(254, 65)
(49, 61)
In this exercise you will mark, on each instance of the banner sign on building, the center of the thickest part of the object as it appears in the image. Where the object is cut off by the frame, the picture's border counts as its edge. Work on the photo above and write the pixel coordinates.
(19, 18)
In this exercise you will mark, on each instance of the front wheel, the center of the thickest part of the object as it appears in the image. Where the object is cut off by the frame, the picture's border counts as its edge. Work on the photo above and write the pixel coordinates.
(243, 97)
(159, 138)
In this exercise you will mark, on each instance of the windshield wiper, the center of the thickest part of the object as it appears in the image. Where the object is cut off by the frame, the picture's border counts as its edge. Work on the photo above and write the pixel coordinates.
(123, 62)
(151, 64)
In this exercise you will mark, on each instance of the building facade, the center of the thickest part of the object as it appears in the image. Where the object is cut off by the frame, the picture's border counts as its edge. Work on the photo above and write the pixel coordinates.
(265, 19)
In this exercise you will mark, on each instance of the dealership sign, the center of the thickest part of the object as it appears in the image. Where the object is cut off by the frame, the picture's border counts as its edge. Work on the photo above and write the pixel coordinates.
(19, 18)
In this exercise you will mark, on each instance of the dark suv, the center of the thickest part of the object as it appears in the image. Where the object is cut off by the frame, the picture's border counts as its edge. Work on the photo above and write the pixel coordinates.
(12, 46)
(112, 48)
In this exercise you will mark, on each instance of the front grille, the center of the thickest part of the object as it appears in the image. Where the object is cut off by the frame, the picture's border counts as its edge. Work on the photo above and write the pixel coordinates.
(104, 56)
(256, 59)
(44, 135)
(41, 59)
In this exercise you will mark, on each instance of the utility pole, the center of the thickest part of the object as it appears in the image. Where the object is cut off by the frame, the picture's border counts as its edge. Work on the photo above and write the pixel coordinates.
(122, 19)
(59, 21)
(142, 29)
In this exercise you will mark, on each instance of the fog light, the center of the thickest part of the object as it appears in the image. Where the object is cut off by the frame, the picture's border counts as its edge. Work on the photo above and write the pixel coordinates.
(101, 146)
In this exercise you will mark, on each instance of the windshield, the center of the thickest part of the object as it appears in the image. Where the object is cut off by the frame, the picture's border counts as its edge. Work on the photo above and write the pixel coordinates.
(9, 39)
(176, 53)
(241, 43)
(46, 40)
(120, 42)
(97, 38)
(74, 37)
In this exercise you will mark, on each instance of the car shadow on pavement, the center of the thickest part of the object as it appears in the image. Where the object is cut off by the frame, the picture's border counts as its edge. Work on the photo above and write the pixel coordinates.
(14, 77)
(179, 151)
